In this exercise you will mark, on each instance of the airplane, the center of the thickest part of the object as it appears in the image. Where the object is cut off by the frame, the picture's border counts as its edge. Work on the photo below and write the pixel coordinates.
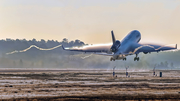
(120, 50)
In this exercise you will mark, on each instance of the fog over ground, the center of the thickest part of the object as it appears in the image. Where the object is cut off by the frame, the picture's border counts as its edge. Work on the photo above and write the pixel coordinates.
(58, 58)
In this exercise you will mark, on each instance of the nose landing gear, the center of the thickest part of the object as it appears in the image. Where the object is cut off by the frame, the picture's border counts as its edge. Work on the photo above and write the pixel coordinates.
(136, 58)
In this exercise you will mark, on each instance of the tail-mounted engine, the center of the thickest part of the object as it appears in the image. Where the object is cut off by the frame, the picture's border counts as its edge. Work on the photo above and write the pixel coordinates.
(116, 43)
(115, 46)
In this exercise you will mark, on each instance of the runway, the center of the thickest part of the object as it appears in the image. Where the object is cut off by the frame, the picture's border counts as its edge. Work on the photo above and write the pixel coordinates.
(98, 85)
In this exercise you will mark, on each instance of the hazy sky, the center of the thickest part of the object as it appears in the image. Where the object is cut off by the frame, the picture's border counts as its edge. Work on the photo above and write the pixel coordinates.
(90, 20)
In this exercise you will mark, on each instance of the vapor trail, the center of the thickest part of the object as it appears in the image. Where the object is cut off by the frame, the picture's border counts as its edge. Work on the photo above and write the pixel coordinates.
(30, 48)
(86, 56)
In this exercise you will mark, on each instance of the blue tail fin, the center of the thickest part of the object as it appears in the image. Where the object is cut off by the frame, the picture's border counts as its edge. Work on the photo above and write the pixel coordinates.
(113, 37)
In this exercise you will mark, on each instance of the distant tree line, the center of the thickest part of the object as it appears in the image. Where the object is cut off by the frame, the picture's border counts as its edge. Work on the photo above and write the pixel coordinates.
(9, 45)
(34, 57)
(58, 58)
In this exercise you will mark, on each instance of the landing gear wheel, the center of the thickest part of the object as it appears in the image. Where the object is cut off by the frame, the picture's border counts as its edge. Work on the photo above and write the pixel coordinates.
(138, 59)
(124, 59)
(111, 59)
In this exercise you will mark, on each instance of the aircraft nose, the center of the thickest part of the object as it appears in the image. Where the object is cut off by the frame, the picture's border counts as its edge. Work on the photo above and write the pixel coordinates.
(135, 31)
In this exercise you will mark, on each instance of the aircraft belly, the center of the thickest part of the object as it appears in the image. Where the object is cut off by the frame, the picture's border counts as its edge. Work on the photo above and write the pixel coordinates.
(119, 57)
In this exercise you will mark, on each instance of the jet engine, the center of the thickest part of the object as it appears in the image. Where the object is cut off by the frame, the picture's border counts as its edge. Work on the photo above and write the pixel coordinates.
(115, 46)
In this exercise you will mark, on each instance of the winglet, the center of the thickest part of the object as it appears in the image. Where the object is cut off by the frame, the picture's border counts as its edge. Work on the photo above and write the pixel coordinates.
(113, 38)
(63, 47)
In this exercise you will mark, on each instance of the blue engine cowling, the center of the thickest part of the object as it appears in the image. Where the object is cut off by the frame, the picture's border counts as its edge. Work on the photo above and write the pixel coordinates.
(115, 46)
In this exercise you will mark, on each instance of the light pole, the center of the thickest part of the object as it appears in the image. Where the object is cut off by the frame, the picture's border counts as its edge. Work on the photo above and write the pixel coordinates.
(154, 71)
(114, 71)
(126, 70)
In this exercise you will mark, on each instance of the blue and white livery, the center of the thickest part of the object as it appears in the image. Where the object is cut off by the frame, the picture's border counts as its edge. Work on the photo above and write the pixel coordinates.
(119, 50)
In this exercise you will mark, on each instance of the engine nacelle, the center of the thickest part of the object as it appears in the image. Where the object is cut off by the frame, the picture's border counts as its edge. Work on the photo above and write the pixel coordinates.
(115, 46)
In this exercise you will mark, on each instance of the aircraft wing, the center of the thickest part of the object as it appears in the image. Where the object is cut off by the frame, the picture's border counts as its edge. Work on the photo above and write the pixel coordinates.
(91, 48)
(147, 48)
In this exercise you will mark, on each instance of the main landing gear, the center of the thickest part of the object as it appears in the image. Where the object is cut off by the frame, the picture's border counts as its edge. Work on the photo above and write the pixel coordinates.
(124, 59)
(136, 58)
(111, 59)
